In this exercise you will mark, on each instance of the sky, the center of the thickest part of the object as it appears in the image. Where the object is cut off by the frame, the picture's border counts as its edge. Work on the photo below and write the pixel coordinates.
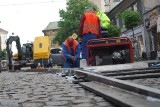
(27, 18)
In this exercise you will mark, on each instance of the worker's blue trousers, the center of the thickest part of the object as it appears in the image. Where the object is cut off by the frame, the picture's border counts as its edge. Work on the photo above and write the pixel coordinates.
(85, 39)
(70, 64)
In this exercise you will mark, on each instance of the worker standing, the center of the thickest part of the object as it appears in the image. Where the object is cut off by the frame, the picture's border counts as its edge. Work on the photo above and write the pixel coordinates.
(104, 21)
(89, 29)
(70, 53)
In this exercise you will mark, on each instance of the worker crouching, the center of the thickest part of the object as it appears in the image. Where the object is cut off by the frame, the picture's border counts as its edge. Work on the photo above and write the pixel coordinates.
(70, 53)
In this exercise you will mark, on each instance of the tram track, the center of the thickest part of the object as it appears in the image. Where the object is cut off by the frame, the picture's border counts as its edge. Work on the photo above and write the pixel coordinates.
(148, 77)
(123, 92)
(134, 74)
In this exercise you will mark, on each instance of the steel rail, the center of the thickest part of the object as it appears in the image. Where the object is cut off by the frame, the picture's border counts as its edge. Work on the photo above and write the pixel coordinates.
(139, 76)
(136, 88)
(132, 72)
(128, 70)
(119, 97)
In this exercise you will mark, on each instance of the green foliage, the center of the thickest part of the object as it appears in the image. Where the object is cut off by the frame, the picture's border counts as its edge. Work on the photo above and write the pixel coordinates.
(113, 31)
(4, 53)
(131, 18)
(70, 19)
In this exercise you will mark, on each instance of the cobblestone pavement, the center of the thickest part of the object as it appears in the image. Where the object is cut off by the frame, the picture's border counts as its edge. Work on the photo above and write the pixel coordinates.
(150, 82)
(31, 89)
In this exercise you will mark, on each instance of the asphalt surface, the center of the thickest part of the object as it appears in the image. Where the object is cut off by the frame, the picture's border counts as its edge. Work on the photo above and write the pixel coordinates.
(33, 89)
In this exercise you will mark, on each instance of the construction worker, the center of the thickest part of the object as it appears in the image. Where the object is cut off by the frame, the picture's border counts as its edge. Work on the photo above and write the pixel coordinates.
(104, 21)
(89, 29)
(70, 53)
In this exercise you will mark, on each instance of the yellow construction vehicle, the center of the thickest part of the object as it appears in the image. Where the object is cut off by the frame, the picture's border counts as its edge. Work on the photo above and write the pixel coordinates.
(41, 52)
(30, 54)
(24, 56)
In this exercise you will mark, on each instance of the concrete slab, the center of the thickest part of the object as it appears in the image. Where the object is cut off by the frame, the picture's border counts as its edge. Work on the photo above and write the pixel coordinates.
(117, 67)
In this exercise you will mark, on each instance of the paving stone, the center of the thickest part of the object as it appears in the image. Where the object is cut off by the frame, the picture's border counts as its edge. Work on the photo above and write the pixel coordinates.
(30, 89)
(63, 98)
(76, 94)
(99, 99)
(43, 100)
(3, 106)
(59, 92)
(83, 100)
(56, 106)
(29, 104)
(59, 103)
(10, 103)
(104, 104)
(18, 96)
(84, 105)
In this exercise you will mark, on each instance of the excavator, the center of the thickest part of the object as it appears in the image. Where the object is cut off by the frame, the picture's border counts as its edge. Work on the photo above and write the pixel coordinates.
(24, 55)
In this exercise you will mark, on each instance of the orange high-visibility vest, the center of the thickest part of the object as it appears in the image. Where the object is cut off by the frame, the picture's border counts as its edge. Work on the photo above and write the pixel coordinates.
(91, 23)
(74, 46)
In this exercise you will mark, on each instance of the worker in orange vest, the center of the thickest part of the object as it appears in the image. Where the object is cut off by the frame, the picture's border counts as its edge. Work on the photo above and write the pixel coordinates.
(89, 29)
(70, 53)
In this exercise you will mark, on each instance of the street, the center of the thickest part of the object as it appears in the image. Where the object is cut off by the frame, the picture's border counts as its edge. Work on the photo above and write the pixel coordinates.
(33, 89)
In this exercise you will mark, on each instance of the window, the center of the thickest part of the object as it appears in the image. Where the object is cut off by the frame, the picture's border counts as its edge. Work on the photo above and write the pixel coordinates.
(51, 32)
(123, 25)
(52, 42)
(40, 45)
(107, 1)
(135, 7)
(116, 0)
(117, 22)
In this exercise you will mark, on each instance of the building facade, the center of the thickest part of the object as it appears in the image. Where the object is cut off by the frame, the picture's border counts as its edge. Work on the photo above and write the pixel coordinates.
(142, 6)
(3, 38)
(106, 5)
(50, 31)
(152, 26)
(110, 4)
(100, 4)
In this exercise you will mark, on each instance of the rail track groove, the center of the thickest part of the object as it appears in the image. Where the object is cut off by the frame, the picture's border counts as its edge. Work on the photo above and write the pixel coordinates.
(120, 92)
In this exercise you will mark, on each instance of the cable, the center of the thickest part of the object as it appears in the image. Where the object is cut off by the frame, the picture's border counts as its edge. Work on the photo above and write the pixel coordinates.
(30, 3)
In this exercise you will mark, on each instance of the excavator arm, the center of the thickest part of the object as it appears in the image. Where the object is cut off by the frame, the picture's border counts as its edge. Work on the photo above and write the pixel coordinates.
(9, 49)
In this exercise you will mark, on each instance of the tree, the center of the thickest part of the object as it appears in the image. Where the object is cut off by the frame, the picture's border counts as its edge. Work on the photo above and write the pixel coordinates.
(131, 19)
(4, 53)
(70, 19)
(113, 31)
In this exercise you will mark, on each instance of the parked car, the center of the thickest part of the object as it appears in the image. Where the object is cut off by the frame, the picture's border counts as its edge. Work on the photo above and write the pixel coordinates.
(55, 55)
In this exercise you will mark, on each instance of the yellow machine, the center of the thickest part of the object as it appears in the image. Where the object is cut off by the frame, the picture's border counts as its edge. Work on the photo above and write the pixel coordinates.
(15, 56)
(30, 54)
(41, 51)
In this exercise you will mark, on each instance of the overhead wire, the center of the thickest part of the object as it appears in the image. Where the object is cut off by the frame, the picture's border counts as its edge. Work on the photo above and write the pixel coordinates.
(30, 3)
